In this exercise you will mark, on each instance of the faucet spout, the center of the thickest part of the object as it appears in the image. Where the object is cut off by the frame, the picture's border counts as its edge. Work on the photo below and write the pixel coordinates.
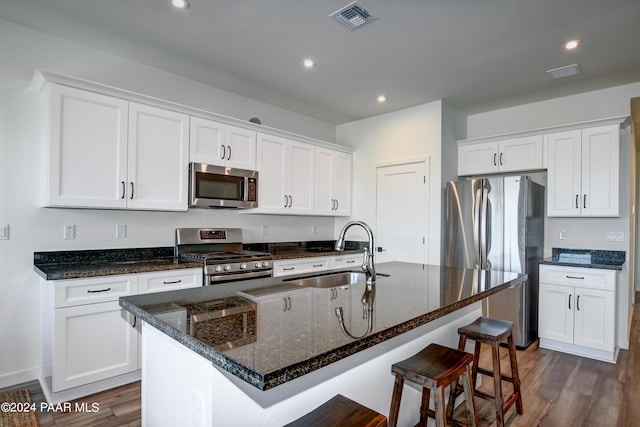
(368, 265)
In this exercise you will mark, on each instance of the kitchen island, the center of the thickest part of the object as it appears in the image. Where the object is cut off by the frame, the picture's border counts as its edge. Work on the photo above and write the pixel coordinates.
(266, 351)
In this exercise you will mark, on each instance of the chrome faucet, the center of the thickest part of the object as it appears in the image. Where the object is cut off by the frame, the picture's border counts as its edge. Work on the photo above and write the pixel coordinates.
(367, 263)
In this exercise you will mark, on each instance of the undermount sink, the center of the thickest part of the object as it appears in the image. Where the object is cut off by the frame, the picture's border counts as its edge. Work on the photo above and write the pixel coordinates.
(330, 280)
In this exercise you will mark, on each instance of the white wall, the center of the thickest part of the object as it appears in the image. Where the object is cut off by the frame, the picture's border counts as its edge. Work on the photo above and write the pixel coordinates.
(396, 137)
(35, 229)
(586, 233)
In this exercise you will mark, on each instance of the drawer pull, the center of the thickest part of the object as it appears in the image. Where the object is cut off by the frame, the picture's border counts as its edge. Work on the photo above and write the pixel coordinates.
(317, 265)
(289, 268)
(172, 283)
(351, 261)
(575, 277)
(90, 291)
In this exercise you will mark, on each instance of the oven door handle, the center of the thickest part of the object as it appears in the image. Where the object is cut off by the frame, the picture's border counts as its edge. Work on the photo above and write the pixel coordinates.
(222, 278)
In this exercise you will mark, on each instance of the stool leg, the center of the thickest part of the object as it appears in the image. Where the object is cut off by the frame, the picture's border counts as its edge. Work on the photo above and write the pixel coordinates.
(514, 374)
(454, 385)
(440, 409)
(467, 385)
(497, 383)
(476, 361)
(426, 394)
(395, 400)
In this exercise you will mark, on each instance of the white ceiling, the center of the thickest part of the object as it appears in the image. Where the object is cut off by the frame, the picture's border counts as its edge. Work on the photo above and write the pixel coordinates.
(476, 55)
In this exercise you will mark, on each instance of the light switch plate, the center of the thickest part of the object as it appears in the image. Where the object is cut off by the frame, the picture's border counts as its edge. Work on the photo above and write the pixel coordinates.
(69, 232)
(614, 236)
(4, 231)
(121, 231)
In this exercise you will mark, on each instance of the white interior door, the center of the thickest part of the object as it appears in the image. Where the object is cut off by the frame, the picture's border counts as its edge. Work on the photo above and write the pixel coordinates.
(402, 212)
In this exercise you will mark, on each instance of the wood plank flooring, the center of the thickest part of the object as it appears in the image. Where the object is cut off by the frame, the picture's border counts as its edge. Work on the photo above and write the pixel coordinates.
(558, 390)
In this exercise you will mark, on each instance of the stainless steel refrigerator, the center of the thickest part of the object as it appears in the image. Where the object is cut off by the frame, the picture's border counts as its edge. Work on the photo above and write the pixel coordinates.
(498, 223)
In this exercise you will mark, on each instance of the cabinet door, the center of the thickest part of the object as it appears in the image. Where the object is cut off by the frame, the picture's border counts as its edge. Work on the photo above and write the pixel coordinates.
(326, 329)
(555, 312)
(158, 159)
(297, 331)
(241, 148)
(478, 158)
(272, 155)
(595, 319)
(86, 162)
(92, 342)
(301, 178)
(600, 171)
(324, 199)
(341, 183)
(564, 174)
(520, 154)
(207, 142)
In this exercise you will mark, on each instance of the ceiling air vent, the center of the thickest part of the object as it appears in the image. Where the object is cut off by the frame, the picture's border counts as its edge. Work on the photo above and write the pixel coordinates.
(353, 16)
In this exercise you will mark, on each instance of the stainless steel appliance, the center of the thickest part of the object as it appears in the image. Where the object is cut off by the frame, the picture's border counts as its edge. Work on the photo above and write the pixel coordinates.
(498, 223)
(222, 187)
(220, 249)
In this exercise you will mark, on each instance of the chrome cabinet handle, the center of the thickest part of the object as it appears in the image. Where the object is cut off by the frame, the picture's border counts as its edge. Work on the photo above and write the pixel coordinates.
(284, 300)
(578, 303)
(500, 159)
(577, 198)
(135, 320)
(584, 202)
(569, 301)
(290, 198)
(229, 155)
(131, 191)
(351, 261)
(224, 152)
(288, 268)
(495, 163)
(575, 277)
(317, 265)
(91, 291)
(124, 189)
(171, 283)
(337, 204)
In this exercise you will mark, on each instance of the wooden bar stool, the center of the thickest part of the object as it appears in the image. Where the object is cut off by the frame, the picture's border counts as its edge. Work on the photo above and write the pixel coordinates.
(340, 411)
(493, 332)
(434, 368)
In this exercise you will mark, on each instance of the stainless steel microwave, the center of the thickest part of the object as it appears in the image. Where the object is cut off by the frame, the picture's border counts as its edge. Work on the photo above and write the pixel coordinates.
(222, 187)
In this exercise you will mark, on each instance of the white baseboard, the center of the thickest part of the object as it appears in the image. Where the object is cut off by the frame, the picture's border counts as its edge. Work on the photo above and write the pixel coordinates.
(14, 378)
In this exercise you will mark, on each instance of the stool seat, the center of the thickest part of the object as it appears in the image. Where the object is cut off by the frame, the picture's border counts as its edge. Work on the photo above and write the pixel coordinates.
(434, 368)
(493, 331)
(340, 411)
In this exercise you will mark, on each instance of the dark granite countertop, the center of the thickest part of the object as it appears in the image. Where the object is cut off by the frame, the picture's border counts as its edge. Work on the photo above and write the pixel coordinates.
(274, 350)
(62, 265)
(586, 258)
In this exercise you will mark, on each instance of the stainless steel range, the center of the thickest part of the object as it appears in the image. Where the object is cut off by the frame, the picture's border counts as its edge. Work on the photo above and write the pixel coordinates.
(220, 249)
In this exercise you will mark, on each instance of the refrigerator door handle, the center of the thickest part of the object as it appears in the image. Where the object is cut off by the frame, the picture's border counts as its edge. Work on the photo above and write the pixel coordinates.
(477, 218)
(484, 230)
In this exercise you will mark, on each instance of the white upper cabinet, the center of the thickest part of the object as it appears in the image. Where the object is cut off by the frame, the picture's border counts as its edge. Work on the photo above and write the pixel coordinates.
(332, 182)
(505, 155)
(220, 144)
(85, 157)
(286, 180)
(105, 152)
(158, 150)
(583, 172)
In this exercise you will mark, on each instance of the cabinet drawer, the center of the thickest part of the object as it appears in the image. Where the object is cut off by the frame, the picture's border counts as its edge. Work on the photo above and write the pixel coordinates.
(300, 266)
(591, 278)
(169, 280)
(88, 291)
(345, 261)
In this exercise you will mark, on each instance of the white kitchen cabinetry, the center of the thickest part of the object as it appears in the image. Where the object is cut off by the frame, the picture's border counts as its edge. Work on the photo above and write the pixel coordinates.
(327, 332)
(215, 143)
(286, 169)
(104, 152)
(345, 261)
(577, 311)
(498, 156)
(88, 342)
(332, 182)
(289, 267)
(583, 172)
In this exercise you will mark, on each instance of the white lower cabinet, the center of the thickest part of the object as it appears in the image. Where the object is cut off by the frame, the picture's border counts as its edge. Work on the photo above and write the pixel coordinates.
(289, 267)
(577, 311)
(89, 343)
(326, 328)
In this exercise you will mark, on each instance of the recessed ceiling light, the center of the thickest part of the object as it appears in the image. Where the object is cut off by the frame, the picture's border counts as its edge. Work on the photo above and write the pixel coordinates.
(571, 44)
(308, 63)
(180, 4)
(381, 99)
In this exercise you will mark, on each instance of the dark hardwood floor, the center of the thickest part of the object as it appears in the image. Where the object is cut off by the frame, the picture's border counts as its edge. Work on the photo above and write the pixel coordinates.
(558, 390)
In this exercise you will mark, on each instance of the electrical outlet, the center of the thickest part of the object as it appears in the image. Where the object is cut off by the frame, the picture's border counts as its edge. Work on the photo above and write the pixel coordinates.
(69, 232)
(313, 229)
(264, 230)
(4, 231)
(614, 236)
(121, 231)
(563, 235)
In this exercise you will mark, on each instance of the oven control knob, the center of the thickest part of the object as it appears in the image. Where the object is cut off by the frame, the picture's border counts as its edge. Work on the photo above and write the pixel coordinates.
(258, 265)
(218, 269)
(227, 267)
(243, 266)
(265, 264)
